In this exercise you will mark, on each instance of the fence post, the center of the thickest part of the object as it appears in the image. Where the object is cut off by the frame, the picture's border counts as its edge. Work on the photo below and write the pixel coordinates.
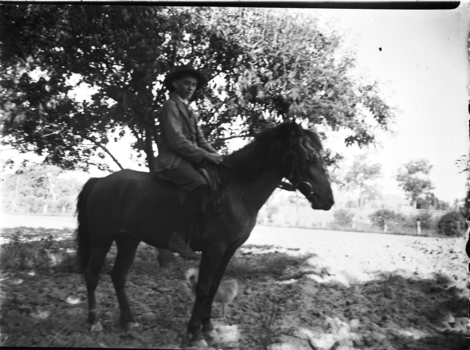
(45, 208)
(418, 227)
(385, 228)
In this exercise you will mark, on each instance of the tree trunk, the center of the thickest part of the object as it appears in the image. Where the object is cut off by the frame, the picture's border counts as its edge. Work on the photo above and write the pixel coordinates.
(149, 149)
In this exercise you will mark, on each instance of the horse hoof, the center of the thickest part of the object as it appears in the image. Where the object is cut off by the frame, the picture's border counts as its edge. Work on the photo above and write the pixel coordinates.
(199, 344)
(96, 327)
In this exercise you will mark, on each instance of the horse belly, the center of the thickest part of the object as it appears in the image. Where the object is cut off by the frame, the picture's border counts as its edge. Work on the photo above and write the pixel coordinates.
(134, 206)
(152, 218)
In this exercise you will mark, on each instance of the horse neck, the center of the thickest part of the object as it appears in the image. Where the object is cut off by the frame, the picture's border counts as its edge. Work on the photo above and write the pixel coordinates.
(254, 187)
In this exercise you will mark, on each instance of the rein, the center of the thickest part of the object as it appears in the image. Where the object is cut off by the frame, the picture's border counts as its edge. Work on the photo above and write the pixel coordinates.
(283, 185)
(279, 184)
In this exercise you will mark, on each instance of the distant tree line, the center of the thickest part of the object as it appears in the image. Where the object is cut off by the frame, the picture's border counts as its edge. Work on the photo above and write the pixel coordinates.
(39, 189)
(360, 180)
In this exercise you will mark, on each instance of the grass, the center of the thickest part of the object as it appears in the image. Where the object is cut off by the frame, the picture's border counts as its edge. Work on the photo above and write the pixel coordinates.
(40, 252)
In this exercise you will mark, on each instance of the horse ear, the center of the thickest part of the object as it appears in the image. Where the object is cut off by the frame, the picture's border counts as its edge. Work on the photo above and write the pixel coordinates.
(297, 129)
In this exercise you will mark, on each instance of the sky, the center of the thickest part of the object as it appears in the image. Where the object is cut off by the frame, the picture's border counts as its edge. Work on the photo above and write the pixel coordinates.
(421, 58)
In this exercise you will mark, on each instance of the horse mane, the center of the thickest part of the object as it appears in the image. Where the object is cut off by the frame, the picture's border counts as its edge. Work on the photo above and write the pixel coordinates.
(270, 148)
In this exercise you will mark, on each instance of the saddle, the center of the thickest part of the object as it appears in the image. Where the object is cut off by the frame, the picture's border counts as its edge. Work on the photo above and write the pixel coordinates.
(211, 174)
(214, 193)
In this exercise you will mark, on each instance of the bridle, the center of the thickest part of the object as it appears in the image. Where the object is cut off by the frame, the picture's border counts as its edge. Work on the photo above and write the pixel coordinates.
(301, 151)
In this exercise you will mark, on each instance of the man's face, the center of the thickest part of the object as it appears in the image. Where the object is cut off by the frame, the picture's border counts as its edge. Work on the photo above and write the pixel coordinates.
(185, 86)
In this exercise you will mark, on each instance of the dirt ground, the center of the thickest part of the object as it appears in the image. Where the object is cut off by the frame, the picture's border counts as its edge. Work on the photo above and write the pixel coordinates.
(300, 289)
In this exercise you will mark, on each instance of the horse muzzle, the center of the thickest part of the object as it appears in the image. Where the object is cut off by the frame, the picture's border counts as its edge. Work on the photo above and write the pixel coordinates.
(316, 201)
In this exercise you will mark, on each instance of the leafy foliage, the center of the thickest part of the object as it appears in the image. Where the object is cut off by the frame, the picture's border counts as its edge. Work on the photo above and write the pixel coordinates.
(426, 219)
(412, 178)
(308, 77)
(430, 201)
(385, 216)
(451, 224)
(360, 179)
(259, 76)
(343, 217)
(121, 52)
(34, 187)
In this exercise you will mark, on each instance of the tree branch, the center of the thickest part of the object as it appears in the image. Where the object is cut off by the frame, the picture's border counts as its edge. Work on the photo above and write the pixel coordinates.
(149, 149)
(234, 137)
(100, 145)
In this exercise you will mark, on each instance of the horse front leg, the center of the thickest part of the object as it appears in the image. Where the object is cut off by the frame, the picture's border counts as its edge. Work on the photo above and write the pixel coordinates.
(207, 327)
(211, 259)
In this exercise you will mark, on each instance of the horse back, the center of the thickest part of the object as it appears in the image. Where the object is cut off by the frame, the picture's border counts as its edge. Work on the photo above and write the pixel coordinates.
(134, 202)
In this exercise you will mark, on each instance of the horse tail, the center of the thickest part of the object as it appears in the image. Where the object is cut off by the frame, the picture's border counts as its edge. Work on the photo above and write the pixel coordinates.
(83, 231)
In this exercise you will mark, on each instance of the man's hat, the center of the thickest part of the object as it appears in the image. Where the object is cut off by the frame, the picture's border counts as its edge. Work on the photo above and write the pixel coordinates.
(182, 71)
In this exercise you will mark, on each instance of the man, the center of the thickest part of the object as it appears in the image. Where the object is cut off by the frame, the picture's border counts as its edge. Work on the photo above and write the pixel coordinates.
(182, 147)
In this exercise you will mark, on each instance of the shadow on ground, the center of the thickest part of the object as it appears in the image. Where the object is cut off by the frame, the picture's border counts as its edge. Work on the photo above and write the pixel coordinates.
(284, 299)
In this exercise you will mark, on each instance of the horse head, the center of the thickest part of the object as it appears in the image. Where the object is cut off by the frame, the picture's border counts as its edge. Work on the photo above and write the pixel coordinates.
(306, 170)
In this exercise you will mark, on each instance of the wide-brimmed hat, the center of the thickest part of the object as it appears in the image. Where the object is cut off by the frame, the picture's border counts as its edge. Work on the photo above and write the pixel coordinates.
(182, 71)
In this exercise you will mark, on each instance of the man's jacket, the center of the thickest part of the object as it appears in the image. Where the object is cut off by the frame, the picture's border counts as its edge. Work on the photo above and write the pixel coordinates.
(180, 136)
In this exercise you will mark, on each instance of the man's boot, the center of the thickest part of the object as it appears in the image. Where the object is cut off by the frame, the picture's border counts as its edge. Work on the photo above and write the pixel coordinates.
(177, 242)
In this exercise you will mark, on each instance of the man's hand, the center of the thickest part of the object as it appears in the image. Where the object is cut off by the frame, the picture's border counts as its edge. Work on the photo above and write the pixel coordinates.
(214, 158)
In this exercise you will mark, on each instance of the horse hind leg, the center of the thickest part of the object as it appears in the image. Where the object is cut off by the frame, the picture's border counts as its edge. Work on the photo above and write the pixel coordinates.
(127, 248)
(92, 272)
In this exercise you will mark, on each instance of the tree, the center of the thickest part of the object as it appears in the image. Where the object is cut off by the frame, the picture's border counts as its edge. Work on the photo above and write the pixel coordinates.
(430, 201)
(360, 179)
(413, 179)
(122, 52)
(34, 187)
(264, 67)
(296, 69)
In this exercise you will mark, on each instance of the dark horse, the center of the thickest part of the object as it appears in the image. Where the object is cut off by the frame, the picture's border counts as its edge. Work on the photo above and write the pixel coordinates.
(129, 207)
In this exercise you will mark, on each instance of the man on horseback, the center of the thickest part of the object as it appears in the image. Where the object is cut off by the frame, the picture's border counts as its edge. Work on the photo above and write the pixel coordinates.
(182, 148)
